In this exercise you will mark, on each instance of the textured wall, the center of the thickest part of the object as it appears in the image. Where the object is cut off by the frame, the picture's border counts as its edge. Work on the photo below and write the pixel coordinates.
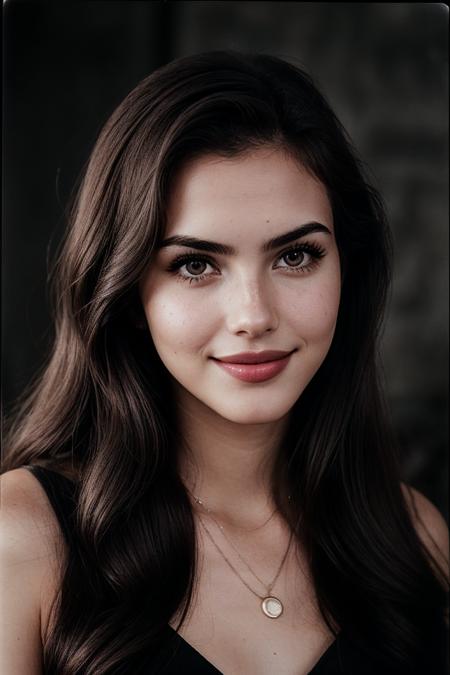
(383, 67)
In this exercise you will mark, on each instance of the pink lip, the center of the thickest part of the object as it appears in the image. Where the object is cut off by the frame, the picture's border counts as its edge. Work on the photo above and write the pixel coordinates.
(255, 372)
(254, 357)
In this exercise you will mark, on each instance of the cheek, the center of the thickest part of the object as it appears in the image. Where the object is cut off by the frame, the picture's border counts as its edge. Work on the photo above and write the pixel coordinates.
(314, 310)
(176, 320)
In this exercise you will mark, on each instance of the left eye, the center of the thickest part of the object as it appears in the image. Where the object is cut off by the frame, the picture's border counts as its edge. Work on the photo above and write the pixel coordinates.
(296, 256)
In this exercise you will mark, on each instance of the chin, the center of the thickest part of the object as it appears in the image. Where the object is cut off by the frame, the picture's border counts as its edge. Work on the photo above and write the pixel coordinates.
(251, 415)
(240, 409)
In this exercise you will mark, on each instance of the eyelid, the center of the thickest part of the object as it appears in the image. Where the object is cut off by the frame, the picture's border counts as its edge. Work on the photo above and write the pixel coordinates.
(298, 243)
(308, 246)
(181, 259)
(317, 251)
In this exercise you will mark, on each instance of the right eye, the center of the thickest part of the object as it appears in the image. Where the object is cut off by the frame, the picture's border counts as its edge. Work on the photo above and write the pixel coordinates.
(195, 262)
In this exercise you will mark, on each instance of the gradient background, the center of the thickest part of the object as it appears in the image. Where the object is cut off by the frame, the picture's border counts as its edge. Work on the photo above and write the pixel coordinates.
(383, 68)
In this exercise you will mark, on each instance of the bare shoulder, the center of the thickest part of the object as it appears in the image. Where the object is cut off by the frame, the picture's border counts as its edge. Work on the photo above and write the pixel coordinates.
(31, 549)
(29, 525)
(430, 524)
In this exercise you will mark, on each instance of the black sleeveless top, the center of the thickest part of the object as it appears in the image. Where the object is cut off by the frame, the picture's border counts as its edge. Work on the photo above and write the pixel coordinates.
(343, 657)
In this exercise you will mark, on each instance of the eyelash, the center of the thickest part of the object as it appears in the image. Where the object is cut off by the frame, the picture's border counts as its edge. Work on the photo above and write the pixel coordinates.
(314, 250)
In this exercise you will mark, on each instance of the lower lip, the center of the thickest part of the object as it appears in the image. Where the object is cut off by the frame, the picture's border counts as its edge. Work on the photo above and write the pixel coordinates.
(255, 372)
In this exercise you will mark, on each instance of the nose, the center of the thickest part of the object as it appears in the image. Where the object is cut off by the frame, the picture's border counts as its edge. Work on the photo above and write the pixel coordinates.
(251, 309)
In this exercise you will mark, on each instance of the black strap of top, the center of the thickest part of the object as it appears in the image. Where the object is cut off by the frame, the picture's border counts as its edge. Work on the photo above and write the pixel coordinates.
(176, 655)
(61, 493)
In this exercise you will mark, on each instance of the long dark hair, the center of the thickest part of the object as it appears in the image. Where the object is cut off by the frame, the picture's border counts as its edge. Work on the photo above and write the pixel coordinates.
(104, 404)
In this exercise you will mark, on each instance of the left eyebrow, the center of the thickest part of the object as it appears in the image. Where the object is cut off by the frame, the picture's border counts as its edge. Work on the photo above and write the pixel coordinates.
(223, 249)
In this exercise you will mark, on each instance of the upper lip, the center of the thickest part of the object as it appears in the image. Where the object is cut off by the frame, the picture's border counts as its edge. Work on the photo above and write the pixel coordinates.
(254, 357)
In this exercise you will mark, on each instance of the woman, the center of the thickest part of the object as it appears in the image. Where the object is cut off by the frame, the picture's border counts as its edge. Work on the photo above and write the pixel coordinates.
(207, 450)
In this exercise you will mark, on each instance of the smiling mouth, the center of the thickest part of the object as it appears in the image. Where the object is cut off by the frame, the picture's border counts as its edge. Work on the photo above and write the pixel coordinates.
(255, 372)
(265, 356)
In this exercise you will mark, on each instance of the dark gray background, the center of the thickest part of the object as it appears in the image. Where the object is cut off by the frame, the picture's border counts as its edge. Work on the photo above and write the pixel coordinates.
(384, 69)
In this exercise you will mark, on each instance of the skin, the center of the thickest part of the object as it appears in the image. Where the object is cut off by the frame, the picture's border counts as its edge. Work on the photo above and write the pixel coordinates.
(250, 301)
(232, 427)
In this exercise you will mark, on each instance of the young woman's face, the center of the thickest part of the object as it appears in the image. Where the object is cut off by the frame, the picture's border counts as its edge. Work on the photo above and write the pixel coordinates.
(245, 295)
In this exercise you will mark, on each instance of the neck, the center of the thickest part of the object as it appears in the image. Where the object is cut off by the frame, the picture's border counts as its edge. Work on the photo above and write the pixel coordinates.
(228, 465)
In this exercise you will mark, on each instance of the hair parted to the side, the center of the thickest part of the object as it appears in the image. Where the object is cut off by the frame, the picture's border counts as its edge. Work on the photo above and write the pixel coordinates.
(104, 403)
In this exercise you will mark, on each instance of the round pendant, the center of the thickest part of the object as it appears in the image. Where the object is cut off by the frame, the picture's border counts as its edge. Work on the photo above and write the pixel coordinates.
(272, 607)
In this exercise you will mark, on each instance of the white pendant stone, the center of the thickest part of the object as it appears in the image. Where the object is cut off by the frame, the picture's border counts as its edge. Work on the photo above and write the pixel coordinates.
(272, 607)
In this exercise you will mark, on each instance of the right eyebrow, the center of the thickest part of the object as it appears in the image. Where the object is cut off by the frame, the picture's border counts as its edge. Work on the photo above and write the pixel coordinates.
(224, 249)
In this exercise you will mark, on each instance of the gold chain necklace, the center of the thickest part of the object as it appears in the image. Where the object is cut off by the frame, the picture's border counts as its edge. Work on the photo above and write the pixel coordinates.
(271, 606)
(253, 529)
(222, 529)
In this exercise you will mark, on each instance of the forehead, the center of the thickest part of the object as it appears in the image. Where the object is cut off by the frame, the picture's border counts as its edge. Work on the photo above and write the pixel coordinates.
(257, 193)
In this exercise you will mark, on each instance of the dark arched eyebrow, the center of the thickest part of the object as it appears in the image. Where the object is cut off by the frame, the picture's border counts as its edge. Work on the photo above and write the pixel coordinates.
(223, 249)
